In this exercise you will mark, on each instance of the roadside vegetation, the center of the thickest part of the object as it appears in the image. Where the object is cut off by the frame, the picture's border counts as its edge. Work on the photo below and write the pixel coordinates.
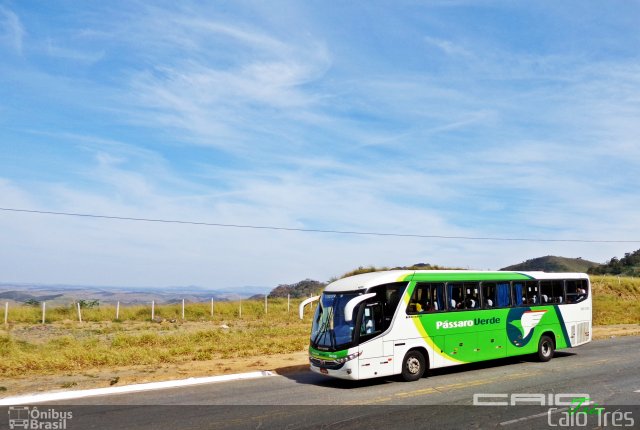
(629, 265)
(616, 300)
(63, 344)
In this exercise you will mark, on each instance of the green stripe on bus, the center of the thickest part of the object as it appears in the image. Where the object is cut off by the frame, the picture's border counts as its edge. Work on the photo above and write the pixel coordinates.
(326, 354)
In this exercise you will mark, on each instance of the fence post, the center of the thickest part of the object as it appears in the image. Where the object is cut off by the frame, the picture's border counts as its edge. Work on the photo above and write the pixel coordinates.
(212, 307)
(44, 310)
(240, 310)
(288, 303)
(118, 311)
(6, 313)
(153, 309)
(265, 304)
(79, 314)
(182, 309)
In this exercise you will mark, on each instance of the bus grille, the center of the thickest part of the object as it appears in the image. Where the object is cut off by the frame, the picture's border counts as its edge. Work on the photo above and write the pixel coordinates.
(327, 364)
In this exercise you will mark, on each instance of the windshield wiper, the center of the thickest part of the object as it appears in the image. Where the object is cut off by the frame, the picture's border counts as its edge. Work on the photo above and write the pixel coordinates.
(323, 328)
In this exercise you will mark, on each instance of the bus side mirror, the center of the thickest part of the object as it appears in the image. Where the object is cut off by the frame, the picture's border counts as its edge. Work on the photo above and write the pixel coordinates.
(304, 303)
(351, 304)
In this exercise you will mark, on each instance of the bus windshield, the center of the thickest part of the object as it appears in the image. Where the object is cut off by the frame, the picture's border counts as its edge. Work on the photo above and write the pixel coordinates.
(330, 330)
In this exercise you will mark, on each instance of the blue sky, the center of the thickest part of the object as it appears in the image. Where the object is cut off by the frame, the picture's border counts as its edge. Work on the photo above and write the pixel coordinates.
(457, 118)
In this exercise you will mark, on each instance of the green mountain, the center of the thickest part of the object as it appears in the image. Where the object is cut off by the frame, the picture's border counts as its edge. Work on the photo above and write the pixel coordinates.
(552, 263)
(305, 288)
(628, 265)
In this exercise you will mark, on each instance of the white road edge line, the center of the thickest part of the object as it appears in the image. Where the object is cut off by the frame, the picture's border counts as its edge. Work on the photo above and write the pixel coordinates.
(77, 394)
(530, 417)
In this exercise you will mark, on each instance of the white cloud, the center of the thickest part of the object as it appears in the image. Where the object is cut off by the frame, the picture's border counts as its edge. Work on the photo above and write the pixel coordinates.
(53, 49)
(447, 46)
(223, 106)
(14, 32)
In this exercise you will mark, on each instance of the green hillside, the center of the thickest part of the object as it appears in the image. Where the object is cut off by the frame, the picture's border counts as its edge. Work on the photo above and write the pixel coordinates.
(305, 288)
(629, 265)
(552, 263)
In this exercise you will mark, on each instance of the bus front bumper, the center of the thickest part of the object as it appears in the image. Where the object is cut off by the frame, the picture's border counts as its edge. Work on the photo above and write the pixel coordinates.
(348, 370)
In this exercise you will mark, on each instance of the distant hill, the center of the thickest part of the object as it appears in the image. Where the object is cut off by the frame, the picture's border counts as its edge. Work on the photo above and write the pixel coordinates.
(552, 263)
(628, 265)
(19, 296)
(305, 288)
(62, 295)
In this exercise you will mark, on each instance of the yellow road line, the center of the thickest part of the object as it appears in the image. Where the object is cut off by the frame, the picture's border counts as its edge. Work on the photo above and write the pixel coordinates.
(442, 388)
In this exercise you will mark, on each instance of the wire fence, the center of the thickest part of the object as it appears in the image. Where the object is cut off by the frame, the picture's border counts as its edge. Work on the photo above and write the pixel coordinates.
(79, 311)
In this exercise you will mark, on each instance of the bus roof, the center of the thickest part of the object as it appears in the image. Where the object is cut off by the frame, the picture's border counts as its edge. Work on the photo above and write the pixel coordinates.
(371, 279)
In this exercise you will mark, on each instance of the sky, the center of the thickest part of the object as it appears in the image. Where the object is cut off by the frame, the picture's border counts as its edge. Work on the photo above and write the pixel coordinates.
(437, 118)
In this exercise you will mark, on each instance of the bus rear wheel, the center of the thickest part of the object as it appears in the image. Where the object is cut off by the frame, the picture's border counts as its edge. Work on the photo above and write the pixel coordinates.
(413, 366)
(545, 348)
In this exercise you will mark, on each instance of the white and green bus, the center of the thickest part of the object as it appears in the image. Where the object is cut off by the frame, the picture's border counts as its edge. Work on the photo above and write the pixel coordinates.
(403, 322)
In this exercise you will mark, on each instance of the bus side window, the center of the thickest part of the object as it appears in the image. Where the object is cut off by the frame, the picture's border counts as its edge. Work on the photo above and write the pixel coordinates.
(419, 295)
(488, 295)
(571, 291)
(583, 290)
(495, 295)
(518, 294)
(426, 297)
(575, 290)
(552, 292)
(436, 298)
(472, 296)
(456, 297)
(371, 319)
(530, 293)
(503, 297)
(392, 296)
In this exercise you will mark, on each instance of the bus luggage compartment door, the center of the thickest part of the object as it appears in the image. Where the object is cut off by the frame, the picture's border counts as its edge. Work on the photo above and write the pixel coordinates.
(373, 361)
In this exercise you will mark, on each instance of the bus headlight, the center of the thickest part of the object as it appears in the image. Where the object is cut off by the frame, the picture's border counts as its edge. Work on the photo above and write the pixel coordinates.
(348, 357)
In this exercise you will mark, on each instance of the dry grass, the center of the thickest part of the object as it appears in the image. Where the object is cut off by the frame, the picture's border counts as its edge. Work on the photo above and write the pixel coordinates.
(72, 349)
(66, 345)
(615, 300)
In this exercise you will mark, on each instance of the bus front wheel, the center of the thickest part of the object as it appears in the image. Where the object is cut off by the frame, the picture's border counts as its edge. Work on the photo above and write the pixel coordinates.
(413, 366)
(545, 348)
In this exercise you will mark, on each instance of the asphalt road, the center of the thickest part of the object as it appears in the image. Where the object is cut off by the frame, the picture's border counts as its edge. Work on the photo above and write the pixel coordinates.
(608, 371)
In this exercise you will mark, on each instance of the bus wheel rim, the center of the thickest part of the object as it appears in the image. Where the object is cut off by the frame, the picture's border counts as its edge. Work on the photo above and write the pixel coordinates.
(413, 365)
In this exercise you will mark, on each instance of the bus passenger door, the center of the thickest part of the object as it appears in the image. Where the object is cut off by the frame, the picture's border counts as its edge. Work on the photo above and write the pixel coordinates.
(372, 361)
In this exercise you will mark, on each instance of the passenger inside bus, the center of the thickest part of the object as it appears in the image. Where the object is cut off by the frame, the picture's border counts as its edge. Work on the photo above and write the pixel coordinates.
(471, 301)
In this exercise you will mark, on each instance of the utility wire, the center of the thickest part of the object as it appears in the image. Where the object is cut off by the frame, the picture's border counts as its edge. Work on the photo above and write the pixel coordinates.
(312, 230)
